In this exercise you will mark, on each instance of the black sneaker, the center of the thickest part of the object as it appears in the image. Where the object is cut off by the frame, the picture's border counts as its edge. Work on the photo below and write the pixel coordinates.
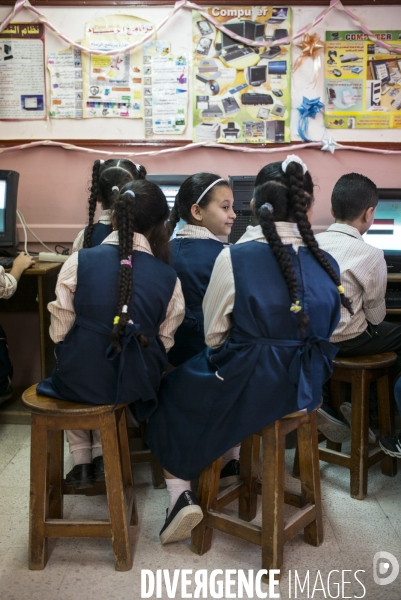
(185, 515)
(98, 468)
(331, 427)
(230, 473)
(391, 444)
(81, 477)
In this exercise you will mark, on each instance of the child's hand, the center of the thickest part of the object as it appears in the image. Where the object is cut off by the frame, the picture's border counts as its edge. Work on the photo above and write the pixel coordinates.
(21, 263)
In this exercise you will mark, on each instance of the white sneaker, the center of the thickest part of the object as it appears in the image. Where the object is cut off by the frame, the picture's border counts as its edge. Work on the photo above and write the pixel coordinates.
(346, 409)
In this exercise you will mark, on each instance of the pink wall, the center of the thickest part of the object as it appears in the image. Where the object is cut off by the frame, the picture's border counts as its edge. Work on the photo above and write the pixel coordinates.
(53, 193)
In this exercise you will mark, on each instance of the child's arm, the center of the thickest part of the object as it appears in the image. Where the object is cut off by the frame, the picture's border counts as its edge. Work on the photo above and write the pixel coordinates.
(218, 302)
(174, 317)
(62, 309)
(374, 291)
(8, 281)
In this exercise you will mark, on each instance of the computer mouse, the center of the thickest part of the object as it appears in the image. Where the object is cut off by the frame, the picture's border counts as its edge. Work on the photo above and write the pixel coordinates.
(277, 93)
(337, 72)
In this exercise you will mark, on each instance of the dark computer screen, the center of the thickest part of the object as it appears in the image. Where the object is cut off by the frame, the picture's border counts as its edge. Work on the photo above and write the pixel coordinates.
(169, 184)
(277, 67)
(237, 28)
(257, 75)
(3, 192)
(8, 208)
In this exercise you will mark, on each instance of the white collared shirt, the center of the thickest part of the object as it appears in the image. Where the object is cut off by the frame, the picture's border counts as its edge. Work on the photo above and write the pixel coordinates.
(104, 217)
(219, 299)
(363, 276)
(196, 232)
(62, 309)
(8, 284)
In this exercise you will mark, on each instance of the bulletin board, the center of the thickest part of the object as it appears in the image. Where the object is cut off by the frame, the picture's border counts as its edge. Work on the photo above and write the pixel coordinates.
(178, 31)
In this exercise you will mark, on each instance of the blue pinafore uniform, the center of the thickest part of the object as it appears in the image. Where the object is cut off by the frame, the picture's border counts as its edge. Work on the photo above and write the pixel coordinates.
(100, 232)
(265, 369)
(87, 369)
(193, 260)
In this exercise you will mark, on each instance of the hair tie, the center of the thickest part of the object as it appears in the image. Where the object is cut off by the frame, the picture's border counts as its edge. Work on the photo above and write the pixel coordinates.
(116, 320)
(340, 289)
(127, 261)
(101, 161)
(115, 188)
(295, 307)
(268, 207)
(130, 192)
(124, 309)
(137, 166)
(293, 158)
(207, 189)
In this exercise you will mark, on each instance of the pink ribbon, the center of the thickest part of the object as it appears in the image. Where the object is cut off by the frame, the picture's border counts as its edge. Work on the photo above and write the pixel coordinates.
(127, 261)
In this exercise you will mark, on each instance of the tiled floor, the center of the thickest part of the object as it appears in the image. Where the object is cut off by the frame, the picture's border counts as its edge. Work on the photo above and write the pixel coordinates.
(82, 569)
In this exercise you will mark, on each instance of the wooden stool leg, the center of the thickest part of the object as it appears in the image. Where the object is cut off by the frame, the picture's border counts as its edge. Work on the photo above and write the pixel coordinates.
(158, 481)
(55, 470)
(38, 500)
(337, 394)
(201, 540)
(127, 467)
(249, 465)
(359, 434)
(115, 491)
(386, 423)
(310, 478)
(295, 466)
(272, 542)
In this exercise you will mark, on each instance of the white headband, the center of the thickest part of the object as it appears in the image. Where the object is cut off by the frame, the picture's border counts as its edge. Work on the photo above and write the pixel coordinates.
(207, 189)
(293, 158)
(115, 188)
(129, 192)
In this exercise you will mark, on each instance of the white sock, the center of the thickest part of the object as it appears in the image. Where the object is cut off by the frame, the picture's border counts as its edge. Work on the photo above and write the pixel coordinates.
(232, 454)
(83, 456)
(97, 451)
(175, 487)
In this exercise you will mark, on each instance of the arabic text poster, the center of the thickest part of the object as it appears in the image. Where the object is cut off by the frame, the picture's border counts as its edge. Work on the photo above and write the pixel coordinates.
(22, 72)
(66, 93)
(362, 81)
(112, 84)
(165, 89)
(242, 93)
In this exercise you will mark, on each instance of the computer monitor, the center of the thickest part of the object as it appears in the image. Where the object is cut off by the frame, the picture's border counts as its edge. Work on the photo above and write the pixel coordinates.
(255, 75)
(277, 67)
(381, 71)
(385, 232)
(8, 209)
(170, 184)
(242, 187)
(238, 29)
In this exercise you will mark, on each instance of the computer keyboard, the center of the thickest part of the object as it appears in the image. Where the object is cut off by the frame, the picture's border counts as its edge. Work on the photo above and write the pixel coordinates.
(393, 298)
(238, 53)
(6, 261)
(255, 99)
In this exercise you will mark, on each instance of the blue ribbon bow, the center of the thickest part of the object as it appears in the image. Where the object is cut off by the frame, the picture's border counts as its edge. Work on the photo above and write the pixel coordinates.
(309, 108)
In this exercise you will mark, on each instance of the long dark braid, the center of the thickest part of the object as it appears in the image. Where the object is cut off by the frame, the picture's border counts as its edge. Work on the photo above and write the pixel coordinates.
(92, 201)
(277, 194)
(298, 210)
(139, 207)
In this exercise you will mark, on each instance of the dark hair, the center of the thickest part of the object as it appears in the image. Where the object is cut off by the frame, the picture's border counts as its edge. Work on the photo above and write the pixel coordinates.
(285, 193)
(99, 167)
(145, 213)
(188, 194)
(352, 195)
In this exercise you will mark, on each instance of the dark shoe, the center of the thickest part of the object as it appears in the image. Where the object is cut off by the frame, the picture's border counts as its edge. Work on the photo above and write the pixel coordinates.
(229, 474)
(98, 468)
(81, 477)
(391, 444)
(7, 395)
(331, 427)
(185, 515)
(346, 408)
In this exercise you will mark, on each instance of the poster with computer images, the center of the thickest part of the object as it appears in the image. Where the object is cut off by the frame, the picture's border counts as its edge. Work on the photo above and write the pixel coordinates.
(362, 81)
(112, 84)
(165, 89)
(242, 93)
(22, 72)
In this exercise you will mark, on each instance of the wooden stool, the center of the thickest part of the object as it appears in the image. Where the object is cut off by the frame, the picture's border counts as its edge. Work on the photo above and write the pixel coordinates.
(360, 371)
(140, 453)
(50, 417)
(274, 533)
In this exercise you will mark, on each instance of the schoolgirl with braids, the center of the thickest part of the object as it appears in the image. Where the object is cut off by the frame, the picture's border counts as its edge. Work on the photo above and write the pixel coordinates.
(271, 306)
(100, 193)
(117, 308)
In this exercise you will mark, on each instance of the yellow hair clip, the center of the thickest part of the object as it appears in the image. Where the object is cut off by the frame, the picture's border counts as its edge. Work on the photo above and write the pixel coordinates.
(116, 320)
(296, 307)
(340, 289)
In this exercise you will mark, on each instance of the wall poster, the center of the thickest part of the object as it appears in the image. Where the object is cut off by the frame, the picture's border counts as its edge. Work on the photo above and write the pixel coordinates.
(362, 81)
(22, 72)
(66, 95)
(242, 93)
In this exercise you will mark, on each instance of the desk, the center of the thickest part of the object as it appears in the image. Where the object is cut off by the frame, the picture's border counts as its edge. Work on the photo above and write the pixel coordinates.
(35, 290)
